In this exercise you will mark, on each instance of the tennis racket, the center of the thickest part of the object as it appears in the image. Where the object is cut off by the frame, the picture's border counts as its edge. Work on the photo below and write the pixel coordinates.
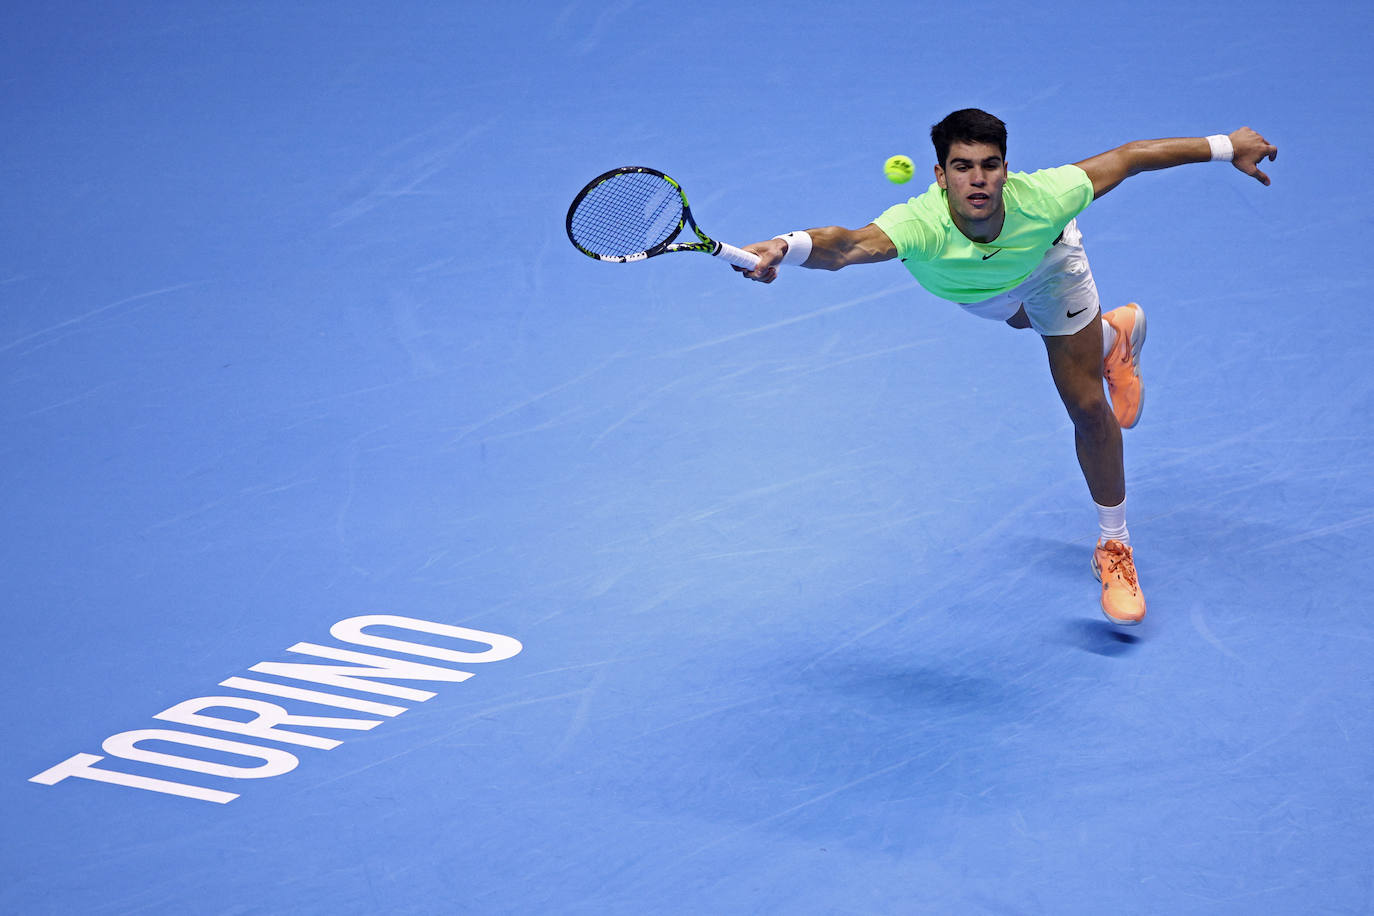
(632, 213)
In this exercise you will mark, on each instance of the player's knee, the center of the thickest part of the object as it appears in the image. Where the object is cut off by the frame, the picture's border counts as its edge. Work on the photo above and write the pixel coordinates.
(1092, 415)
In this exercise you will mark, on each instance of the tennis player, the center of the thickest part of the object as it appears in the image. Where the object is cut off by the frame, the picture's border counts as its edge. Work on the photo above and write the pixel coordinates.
(1006, 246)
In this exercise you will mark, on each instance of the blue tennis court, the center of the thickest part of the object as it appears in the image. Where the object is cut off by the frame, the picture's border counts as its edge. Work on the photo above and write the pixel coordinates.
(368, 549)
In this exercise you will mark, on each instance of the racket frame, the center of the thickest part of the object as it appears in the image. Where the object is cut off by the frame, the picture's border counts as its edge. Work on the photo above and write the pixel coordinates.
(707, 245)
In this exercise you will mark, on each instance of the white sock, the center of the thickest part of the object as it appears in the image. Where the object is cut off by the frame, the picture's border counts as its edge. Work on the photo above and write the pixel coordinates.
(1112, 521)
(1108, 338)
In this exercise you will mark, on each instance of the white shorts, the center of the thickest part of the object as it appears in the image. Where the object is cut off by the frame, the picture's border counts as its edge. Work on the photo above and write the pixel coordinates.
(1060, 296)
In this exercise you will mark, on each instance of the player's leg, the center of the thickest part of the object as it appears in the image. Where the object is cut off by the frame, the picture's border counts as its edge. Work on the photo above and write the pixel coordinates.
(1076, 366)
(1123, 338)
(1062, 306)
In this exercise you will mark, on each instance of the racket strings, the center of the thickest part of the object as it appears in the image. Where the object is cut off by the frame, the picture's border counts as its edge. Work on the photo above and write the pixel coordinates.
(628, 213)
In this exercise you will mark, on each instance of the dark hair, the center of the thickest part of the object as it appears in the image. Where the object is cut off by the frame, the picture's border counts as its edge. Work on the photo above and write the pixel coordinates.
(968, 125)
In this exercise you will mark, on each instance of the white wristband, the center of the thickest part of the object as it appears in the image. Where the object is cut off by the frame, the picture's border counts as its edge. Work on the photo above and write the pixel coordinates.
(798, 247)
(1222, 150)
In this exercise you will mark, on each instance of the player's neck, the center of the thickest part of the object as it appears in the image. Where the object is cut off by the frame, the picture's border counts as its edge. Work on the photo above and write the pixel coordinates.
(982, 230)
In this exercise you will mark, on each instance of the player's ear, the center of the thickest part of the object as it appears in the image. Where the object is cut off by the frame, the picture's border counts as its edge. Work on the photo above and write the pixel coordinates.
(940, 178)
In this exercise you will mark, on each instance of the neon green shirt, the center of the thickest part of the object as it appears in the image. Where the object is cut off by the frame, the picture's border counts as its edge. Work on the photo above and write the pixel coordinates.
(949, 264)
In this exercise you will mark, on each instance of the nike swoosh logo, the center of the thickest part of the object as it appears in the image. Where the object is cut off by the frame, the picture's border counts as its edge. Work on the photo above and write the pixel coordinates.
(993, 255)
(1079, 312)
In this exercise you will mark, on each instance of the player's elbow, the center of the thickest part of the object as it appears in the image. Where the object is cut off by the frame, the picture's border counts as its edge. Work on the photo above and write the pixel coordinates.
(1109, 169)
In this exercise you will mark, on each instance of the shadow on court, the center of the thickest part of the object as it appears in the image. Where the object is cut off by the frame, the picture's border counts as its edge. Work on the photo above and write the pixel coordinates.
(951, 692)
(1100, 638)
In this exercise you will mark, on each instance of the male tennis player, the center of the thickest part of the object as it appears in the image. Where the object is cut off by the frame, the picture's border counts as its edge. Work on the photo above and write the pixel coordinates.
(1006, 246)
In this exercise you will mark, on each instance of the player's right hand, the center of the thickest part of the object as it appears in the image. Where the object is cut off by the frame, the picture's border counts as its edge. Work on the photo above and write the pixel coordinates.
(770, 256)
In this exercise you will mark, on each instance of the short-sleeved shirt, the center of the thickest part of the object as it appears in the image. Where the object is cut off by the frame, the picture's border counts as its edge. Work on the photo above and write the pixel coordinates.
(952, 266)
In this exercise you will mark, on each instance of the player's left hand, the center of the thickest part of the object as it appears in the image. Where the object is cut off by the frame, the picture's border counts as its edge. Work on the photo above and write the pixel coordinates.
(1250, 149)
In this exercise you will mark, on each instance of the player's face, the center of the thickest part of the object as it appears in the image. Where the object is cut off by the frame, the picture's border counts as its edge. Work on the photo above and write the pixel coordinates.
(973, 174)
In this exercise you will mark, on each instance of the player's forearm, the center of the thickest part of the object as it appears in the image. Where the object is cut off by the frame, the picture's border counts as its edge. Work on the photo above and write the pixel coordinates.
(1153, 155)
(828, 249)
(825, 248)
(833, 247)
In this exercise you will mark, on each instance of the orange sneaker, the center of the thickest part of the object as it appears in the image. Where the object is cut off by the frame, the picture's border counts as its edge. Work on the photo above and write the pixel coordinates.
(1121, 368)
(1122, 600)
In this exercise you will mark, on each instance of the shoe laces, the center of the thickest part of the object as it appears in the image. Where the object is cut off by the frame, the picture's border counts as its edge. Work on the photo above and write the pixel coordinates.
(1120, 563)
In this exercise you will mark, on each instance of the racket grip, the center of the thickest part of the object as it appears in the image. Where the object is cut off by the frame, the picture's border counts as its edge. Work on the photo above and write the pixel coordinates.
(737, 256)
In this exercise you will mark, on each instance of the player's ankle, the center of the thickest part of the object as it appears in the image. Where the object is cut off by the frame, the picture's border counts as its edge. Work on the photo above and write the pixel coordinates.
(1111, 523)
(1108, 337)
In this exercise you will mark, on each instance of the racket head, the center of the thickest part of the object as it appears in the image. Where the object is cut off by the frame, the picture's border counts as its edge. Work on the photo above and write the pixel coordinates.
(627, 214)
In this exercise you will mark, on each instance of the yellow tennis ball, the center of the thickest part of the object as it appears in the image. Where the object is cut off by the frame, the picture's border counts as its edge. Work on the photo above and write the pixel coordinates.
(899, 169)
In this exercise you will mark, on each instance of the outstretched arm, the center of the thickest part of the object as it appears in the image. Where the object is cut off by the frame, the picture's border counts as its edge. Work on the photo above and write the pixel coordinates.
(1109, 169)
(832, 247)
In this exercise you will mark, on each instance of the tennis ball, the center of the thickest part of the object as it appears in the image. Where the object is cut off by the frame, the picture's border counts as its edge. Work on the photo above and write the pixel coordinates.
(899, 169)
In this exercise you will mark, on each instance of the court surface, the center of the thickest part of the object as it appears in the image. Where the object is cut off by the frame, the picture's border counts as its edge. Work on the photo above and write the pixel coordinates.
(291, 335)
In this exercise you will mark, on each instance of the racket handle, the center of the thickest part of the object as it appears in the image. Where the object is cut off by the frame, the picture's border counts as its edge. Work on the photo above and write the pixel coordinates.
(737, 256)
